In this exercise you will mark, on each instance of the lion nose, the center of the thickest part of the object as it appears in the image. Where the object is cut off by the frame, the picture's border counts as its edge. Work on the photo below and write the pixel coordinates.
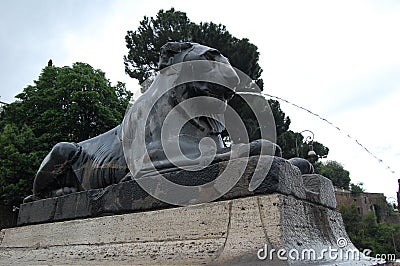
(219, 91)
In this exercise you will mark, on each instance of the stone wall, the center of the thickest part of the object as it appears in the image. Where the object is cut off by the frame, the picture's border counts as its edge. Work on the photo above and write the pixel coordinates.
(366, 202)
(231, 232)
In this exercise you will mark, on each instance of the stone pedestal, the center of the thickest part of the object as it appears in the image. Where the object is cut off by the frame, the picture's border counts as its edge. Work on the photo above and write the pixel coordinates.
(126, 197)
(230, 232)
(288, 220)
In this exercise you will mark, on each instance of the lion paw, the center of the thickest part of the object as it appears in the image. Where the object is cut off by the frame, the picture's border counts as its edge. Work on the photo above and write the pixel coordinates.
(65, 191)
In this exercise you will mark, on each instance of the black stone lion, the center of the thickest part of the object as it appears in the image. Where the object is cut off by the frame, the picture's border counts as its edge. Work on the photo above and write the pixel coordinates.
(101, 161)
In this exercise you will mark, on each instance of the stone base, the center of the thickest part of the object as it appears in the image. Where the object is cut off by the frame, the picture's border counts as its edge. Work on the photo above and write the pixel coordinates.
(127, 197)
(286, 211)
(229, 232)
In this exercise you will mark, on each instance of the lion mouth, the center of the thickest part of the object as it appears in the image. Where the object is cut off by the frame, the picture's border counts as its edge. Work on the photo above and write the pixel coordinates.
(212, 123)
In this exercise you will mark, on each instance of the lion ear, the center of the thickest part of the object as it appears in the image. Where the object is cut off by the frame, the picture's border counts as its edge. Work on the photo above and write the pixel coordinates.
(168, 52)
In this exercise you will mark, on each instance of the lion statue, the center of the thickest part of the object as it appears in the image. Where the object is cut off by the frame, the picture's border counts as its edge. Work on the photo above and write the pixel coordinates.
(102, 161)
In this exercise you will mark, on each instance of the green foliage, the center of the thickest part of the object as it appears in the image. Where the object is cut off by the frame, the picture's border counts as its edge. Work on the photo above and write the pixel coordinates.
(258, 104)
(282, 121)
(356, 188)
(351, 218)
(335, 172)
(69, 104)
(287, 142)
(241, 53)
(64, 104)
(144, 44)
(18, 163)
(366, 233)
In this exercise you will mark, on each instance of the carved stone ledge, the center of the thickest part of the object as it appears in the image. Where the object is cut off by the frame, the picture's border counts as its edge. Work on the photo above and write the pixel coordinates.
(127, 197)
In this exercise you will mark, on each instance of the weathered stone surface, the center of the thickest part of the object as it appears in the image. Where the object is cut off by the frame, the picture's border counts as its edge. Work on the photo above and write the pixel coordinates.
(320, 190)
(227, 232)
(41, 210)
(293, 224)
(194, 223)
(283, 177)
(129, 196)
(119, 198)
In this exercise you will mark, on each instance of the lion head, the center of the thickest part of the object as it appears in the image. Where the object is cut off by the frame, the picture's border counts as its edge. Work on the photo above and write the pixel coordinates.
(212, 74)
(188, 72)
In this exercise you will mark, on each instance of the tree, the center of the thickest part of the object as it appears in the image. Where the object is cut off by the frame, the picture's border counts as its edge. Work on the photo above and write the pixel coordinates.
(258, 104)
(18, 163)
(351, 219)
(144, 44)
(357, 188)
(64, 104)
(241, 53)
(366, 233)
(69, 104)
(287, 141)
(335, 172)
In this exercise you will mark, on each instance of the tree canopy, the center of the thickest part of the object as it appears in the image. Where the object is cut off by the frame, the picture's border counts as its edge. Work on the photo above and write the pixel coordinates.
(144, 44)
(64, 104)
(287, 141)
(69, 104)
(18, 162)
(366, 233)
(335, 172)
(357, 188)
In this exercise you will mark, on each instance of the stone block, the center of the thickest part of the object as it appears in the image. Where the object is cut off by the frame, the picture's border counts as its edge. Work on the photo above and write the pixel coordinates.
(282, 177)
(37, 211)
(320, 190)
(274, 175)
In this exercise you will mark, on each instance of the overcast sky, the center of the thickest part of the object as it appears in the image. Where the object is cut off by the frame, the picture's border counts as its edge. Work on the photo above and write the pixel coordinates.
(340, 59)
